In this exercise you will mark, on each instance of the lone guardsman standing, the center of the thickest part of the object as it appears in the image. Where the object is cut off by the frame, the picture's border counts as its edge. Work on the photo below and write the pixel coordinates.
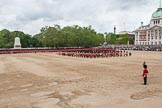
(145, 72)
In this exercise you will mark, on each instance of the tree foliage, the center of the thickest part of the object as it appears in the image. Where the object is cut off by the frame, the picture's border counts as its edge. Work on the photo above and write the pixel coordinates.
(69, 36)
(118, 38)
(7, 39)
(55, 36)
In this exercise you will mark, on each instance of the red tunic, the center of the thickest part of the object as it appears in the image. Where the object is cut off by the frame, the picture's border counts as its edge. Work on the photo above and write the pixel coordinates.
(145, 72)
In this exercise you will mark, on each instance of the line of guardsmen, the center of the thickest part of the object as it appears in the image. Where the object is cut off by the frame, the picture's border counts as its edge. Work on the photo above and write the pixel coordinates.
(96, 54)
(75, 52)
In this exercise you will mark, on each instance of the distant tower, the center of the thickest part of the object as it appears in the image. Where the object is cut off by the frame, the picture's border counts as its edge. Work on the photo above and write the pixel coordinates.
(114, 29)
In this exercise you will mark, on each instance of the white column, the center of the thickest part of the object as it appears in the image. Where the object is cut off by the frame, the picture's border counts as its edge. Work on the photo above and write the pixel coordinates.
(147, 37)
(135, 43)
(160, 36)
(138, 37)
(154, 38)
(150, 37)
(158, 39)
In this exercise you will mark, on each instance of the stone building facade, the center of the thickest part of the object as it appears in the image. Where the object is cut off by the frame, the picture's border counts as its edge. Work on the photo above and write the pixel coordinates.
(150, 34)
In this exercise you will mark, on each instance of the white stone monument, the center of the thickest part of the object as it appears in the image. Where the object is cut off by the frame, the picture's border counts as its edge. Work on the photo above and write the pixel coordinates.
(17, 44)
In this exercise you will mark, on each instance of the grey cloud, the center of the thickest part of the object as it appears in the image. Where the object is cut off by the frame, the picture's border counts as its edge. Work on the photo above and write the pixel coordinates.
(101, 14)
(128, 4)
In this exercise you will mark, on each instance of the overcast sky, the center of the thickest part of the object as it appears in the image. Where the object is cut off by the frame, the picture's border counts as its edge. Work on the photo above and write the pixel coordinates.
(30, 16)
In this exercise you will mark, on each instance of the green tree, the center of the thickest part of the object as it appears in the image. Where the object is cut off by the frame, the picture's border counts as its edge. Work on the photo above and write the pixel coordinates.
(117, 39)
(7, 38)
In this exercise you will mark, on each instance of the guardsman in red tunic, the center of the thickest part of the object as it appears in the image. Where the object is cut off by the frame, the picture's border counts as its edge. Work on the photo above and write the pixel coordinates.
(145, 72)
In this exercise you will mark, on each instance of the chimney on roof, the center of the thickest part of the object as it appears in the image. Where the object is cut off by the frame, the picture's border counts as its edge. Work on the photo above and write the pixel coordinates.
(141, 24)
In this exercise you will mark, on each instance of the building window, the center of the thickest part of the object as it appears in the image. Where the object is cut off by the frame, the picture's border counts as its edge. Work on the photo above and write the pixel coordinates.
(152, 32)
(160, 33)
(155, 32)
(159, 42)
(158, 21)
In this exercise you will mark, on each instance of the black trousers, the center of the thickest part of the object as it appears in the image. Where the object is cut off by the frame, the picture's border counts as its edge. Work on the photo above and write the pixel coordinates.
(145, 80)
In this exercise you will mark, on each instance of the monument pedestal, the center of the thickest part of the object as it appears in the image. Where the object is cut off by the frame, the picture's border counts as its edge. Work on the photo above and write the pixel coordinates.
(17, 44)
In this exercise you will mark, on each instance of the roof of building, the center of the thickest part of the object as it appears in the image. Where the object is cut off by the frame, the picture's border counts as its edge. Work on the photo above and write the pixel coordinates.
(125, 32)
(157, 13)
(144, 27)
